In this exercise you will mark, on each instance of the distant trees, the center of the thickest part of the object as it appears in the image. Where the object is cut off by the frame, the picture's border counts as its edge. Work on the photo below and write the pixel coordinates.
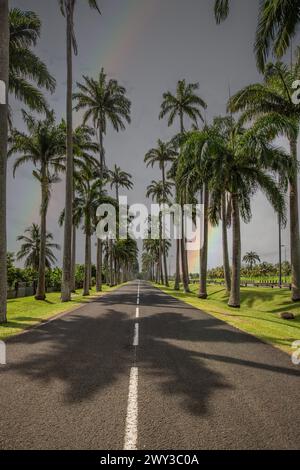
(251, 259)
(31, 248)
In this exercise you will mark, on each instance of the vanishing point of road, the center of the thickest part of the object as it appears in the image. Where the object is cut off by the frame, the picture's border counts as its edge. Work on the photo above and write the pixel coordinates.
(137, 369)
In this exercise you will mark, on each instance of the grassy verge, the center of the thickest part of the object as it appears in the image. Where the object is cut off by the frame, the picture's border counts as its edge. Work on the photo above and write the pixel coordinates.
(26, 312)
(258, 314)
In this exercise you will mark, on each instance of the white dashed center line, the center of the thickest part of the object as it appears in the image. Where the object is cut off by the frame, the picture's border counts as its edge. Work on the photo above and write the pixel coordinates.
(131, 428)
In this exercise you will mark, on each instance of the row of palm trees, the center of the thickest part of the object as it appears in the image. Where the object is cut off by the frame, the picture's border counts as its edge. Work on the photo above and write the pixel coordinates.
(229, 160)
(55, 148)
(23, 74)
(226, 163)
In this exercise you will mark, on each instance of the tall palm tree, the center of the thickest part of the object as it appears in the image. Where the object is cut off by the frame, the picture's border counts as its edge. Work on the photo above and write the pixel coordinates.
(67, 8)
(224, 126)
(27, 73)
(273, 100)
(240, 167)
(193, 178)
(277, 25)
(84, 149)
(162, 154)
(251, 258)
(4, 74)
(43, 146)
(89, 196)
(31, 247)
(120, 179)
(160, 192)
(184, 103)
(103, 101)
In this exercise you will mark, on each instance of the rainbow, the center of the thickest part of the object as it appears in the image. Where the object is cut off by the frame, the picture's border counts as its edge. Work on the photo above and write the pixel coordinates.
(214, 244)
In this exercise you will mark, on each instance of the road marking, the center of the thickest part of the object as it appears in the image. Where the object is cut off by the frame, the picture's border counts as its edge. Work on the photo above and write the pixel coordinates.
(136, 335)
(131, 433)
(138, 301)
(131, 427)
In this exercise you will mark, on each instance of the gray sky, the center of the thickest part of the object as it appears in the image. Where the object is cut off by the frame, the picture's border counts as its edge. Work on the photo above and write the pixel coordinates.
(148, 45)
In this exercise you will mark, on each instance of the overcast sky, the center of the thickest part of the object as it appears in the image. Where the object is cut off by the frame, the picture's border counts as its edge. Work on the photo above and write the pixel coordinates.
(148, 45)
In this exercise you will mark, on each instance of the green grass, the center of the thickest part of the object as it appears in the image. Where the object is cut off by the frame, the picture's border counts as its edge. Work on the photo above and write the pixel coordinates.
(26, 312)
(258, 314)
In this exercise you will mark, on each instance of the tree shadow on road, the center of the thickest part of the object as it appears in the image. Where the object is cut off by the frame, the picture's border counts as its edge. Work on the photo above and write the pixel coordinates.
(90, 350)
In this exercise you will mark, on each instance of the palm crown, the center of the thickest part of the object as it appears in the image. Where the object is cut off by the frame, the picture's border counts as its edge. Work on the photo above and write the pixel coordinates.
(27, 72)
(119, 178)
(103, 100)
(30, 248)
(162, 154)
(277, 25)
(185, 102)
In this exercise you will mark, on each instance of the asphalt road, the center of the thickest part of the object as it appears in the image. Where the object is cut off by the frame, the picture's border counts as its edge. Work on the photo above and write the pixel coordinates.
(145, 371)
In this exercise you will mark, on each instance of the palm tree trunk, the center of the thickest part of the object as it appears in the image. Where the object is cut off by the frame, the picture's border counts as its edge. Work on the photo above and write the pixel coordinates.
(161, 274)
(185, 279)
(99, 242)
(41, 287)
(87, 257)
(102, 155)
(164, 251)
(294, 228)
(110, 262)
(184, 258)
(177, 274)
(165, 264)
(86, 282)
(226, 265)
(90, 262)
(67, 257)
(99, 266)
(234, 300)
(4, 70)
(203, 251)
(73, 267)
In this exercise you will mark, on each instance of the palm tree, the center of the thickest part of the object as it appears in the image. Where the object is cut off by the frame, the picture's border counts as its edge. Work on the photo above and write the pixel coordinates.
(251, 258)
(67, 8)
(43, 146)
(89, 196)
(119, 179)
(185, 103)
(162, 154)
(277, 25)
(240, 167)
(4, 74)
(31, 247)
(272, 99)
(192, 178)
(83, 149)
(160, 192)
(222, 209)
(27, 73)
(103, 101)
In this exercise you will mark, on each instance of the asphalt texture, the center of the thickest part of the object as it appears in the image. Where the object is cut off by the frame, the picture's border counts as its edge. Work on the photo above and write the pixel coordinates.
(202, 384)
